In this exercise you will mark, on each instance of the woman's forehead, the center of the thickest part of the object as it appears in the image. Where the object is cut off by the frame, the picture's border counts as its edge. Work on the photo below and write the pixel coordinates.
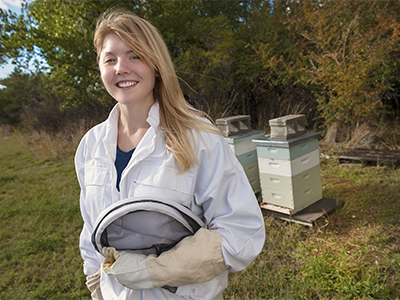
(113, 43)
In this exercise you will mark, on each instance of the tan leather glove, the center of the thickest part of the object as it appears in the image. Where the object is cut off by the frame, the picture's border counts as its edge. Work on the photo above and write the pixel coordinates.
(128, 268)
(195, 259)
(93, 284)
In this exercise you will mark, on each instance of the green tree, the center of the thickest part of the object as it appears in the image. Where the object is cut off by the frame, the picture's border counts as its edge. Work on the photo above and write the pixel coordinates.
(263, 58)
(203, 39)
(60, 33)
(199, 34)
(13, 98)
(349, 48)
(270, 66)
(339, 55)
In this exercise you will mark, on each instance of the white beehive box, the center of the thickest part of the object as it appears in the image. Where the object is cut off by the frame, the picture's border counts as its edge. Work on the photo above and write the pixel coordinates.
(289, 167)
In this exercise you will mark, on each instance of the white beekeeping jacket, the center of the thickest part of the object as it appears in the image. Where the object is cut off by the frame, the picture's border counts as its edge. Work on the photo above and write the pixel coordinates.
(216, 190)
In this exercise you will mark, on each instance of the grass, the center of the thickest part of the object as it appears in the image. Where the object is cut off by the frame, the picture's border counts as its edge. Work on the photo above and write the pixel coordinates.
(352, 254)
(39, 225)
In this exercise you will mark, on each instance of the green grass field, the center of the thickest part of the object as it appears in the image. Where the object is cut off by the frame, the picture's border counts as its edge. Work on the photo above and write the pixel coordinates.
(353, 254)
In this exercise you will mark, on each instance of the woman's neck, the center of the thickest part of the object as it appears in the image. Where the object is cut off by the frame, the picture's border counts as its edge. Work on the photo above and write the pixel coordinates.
(132, 125)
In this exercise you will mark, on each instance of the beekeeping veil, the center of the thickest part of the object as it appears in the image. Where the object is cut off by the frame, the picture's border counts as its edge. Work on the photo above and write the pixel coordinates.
(144, 226)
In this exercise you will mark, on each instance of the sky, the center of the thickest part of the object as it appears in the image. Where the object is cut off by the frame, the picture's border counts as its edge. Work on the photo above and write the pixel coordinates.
(15, 6)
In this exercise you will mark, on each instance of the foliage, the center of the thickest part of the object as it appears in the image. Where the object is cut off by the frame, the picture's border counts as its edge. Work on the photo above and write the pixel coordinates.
(202, 38)
(271, 65)
(335, 61)
(13, 97)
(60, 34)
(348, 47)
(31, 102)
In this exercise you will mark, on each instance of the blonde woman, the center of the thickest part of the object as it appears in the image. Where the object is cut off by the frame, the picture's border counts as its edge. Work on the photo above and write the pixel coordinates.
(155, 148)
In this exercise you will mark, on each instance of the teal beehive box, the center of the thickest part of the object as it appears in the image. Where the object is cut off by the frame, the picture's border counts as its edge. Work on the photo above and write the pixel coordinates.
(287, 149)
(245, 150)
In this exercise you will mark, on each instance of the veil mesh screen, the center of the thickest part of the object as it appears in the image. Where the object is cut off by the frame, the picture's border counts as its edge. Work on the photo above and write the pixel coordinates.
(147, 232)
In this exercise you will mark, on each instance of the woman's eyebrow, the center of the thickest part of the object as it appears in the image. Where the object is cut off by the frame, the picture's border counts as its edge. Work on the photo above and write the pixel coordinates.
(112, 53)
(107, 53)
(130, 52)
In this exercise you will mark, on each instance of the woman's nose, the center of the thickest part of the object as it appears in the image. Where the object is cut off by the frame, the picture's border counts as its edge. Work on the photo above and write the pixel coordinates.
(121, 67)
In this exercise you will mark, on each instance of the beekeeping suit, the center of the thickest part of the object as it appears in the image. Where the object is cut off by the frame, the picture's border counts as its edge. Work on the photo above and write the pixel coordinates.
(225, 225)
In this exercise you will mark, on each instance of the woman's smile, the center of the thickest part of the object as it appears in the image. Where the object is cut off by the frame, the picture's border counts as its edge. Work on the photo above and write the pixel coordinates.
(126, 84)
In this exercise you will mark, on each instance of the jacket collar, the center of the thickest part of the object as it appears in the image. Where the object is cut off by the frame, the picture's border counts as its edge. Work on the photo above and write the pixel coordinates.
(154, 115)
(146, 146)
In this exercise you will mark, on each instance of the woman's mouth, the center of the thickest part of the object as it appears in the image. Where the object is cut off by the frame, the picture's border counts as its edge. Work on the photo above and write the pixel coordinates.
(126, 84)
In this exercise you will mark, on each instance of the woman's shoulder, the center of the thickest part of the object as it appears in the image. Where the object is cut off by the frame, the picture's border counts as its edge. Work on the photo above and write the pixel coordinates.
(210, 140)
(205, 129)
(91, 139)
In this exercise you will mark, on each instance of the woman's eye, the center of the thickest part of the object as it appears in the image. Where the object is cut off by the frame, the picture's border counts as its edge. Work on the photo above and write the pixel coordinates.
(135, 57)
(110, 60)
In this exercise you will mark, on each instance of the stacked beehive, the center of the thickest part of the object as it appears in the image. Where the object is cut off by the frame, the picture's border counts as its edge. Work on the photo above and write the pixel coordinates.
(288, 161)
(239, 135)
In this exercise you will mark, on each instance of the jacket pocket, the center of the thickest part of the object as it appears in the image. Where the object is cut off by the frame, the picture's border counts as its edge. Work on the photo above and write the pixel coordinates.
(167, 179)
(95, 176)
(95, 184)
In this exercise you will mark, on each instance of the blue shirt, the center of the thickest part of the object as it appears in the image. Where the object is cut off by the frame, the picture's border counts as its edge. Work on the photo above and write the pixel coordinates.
(121, 161)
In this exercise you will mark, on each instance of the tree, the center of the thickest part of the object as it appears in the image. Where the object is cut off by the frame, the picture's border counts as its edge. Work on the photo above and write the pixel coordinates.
(13, 98)
(60, 33)
(202, 37)
(349, 46)
(271, 67)
(259, 57)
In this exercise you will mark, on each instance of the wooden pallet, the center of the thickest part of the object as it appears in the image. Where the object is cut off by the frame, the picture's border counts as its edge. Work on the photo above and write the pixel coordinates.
(310, 214)
(371, 157)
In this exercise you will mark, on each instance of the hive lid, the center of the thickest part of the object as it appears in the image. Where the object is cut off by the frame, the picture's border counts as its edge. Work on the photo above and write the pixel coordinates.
(267, 142)
(227, 120)
(233, 139)
(234, 125)
(283, 121)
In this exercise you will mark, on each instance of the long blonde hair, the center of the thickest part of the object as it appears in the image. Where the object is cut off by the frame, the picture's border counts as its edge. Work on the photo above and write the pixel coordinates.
(177, 117)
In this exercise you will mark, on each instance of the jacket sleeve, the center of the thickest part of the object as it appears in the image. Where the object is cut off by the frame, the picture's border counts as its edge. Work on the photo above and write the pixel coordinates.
(229, 204)
(91, 258)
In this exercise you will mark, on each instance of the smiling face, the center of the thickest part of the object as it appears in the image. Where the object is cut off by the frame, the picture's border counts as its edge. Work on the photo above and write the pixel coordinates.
(126, 77)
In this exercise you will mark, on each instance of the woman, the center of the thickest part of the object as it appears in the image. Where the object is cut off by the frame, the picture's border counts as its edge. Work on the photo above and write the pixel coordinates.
(155, 146)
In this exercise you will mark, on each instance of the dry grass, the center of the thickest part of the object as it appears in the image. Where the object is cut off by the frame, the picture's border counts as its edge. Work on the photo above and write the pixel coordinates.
(336, 141)
(48, 145)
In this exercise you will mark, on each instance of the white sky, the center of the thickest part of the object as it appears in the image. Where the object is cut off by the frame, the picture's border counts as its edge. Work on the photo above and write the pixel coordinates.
(15, 6)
